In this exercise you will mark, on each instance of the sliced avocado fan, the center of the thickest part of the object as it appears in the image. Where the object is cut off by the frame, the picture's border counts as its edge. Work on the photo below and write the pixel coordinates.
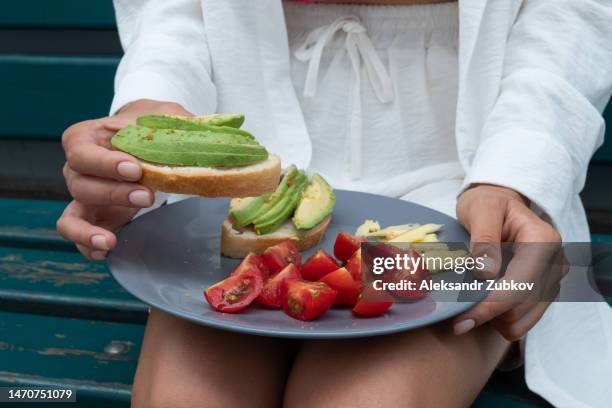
(281, 214)
(309, 203)
(277, 195)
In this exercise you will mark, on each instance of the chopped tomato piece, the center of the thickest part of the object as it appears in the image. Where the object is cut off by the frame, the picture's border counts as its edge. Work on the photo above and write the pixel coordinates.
(408, 275)
(252, 263)
(305, 300)
(271, 292)
(353, 265)
(372, 308)
(235, 292)
(280, 255)
(318, 265)
(346, 245)
(342, 282)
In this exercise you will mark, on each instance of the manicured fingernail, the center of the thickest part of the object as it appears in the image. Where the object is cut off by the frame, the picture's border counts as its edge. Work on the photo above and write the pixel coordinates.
(464, 326)
(140, 198)
(98, 255)
(129, 170)
(99, 242)
(488, 265)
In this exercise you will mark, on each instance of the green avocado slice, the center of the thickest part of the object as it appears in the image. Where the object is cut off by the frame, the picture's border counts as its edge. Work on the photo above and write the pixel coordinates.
(193, 123)
(279, 207)
(277, 195)
(317, 203)
(188, 148)
(293, 197)
(243, 214)
(234, 120)
(139, 133)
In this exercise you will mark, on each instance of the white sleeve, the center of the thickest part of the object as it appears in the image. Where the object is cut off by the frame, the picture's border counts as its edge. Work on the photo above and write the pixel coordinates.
(547, 123)
(166, 54)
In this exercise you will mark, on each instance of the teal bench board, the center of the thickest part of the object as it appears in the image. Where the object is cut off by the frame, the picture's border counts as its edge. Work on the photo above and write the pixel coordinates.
(63, 319)
(64, 284)
(95, 358)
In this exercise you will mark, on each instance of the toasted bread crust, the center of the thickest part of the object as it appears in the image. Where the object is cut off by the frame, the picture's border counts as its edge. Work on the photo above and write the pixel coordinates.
(237, 244)
(246, 181)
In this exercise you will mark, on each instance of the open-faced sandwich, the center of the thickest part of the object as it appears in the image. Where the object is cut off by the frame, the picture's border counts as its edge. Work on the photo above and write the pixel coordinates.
(298, 210)
(201, 155)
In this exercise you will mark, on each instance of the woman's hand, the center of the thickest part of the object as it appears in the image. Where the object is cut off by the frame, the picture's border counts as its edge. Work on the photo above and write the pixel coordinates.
(493, 215)
(103, 181)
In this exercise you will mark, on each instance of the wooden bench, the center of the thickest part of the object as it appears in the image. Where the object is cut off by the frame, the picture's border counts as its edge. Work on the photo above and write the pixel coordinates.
(63, 319)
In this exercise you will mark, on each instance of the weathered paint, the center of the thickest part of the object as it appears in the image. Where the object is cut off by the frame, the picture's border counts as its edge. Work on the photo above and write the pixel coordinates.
(32, 353)
(65, 283)
(32, 222)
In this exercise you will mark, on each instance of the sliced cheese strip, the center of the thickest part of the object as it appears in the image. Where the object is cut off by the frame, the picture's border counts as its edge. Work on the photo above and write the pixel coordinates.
(417, 234)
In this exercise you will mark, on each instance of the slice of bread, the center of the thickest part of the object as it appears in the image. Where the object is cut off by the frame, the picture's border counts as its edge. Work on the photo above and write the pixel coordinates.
(247, 181)
(237, 243)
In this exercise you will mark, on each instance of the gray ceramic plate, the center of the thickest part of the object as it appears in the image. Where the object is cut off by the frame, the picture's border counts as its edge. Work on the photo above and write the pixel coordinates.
(168, 256)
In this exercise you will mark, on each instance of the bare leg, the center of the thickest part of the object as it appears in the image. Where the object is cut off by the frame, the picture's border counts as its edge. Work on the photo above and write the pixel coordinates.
(429, 367)
(186, 365)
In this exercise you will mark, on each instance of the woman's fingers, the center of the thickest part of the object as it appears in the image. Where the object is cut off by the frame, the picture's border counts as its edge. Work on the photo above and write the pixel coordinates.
(513, 311)
(528, 265)
(480, 314)
(73, 225)
(483, 216)
(92, 254)
(515, 329)
(94, 160)
(88, 150)
(105, 192)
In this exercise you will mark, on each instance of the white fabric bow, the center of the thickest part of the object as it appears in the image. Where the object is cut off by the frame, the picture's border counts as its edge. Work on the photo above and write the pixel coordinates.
(359, 48)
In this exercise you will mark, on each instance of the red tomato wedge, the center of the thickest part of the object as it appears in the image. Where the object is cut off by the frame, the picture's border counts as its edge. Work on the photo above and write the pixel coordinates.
(235, 292)
(271, 292)
(353, 265)
(318, 265)
(280, 255)
(304, 300)
(408, 275)
(252, 263)
(342, 282)
(346, 245)
(365, 308)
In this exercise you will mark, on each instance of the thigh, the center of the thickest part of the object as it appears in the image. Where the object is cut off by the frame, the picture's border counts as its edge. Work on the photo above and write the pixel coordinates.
(428, 367)
(187, 365)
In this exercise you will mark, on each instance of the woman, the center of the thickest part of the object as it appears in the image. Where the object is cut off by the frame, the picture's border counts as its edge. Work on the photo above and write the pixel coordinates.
(497, 117)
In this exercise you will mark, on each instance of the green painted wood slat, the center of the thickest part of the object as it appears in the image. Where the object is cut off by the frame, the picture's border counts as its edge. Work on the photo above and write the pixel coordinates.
(32, 223)
(43, 95)
(63, 283)
(98, 14)
(50, 351)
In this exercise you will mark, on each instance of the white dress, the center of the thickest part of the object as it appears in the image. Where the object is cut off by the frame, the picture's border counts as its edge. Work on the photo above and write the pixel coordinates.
(378, 90)
(532, 78)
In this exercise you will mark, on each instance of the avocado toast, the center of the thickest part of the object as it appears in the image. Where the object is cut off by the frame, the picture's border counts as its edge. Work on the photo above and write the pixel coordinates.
(298, 210)
(202, 155)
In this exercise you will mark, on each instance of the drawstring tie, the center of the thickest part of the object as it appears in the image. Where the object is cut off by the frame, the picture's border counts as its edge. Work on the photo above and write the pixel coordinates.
(359, 48)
